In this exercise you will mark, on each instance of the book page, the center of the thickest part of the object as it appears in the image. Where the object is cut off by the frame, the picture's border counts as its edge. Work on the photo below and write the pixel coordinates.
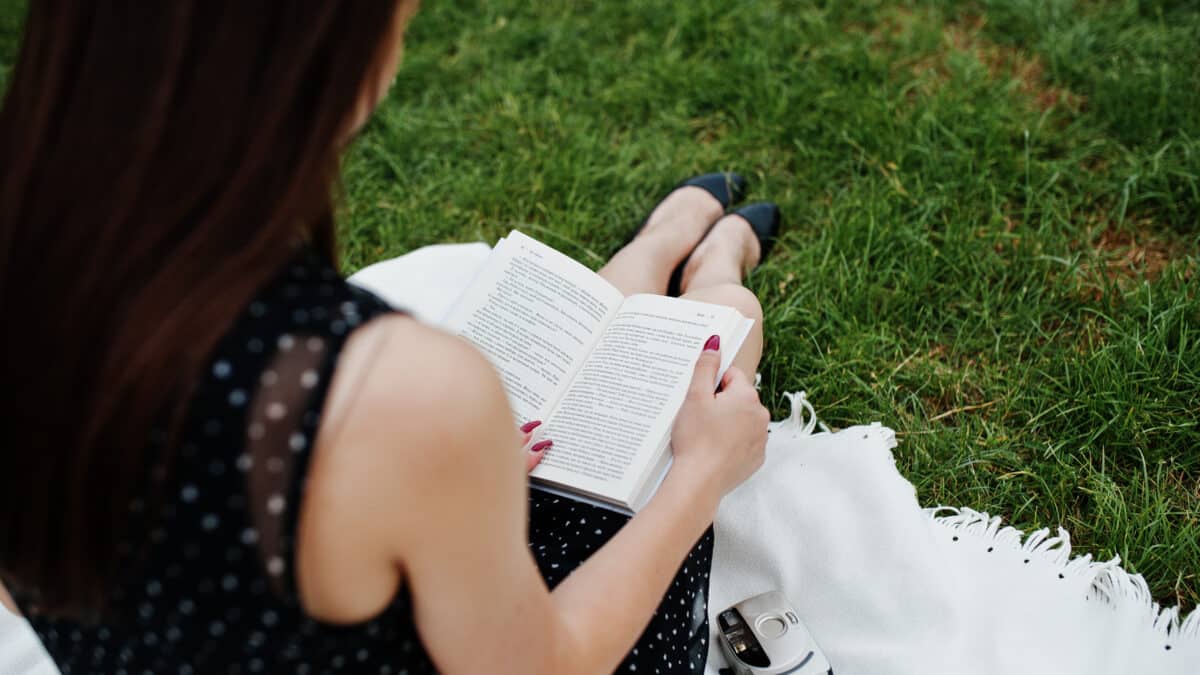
(534, 313)
(619, 408)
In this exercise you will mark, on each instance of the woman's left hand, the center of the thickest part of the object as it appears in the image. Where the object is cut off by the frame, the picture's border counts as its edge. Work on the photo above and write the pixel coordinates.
(532, 445)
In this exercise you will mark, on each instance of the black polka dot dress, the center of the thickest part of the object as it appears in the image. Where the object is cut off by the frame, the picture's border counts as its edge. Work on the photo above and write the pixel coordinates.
(563, 533)
(209, 588)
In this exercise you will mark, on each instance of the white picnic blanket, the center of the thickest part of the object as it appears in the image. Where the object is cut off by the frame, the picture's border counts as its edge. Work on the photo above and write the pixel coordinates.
(889, 588)
(885, 586)
(20, 651)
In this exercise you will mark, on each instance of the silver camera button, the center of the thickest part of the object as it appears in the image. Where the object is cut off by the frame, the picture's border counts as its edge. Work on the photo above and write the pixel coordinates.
(772, 626)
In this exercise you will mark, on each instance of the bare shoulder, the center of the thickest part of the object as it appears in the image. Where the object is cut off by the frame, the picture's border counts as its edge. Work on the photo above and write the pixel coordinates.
(409, 410)
(398, 362)
(407, 398)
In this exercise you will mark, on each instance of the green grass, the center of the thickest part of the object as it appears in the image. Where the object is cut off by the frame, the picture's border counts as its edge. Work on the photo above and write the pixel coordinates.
(12, 14)
(993, 208)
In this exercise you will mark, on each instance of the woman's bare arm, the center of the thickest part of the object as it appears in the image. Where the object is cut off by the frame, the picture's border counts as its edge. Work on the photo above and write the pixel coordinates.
(423, 483)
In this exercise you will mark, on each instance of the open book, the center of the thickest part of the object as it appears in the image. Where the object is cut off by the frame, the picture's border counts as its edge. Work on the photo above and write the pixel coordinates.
(604, 372)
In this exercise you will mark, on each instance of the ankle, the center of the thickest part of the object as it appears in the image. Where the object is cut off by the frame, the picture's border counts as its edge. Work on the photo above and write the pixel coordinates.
(731, 241)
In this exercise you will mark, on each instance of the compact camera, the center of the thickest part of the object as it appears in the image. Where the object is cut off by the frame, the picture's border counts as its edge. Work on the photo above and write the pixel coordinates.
(763, 635)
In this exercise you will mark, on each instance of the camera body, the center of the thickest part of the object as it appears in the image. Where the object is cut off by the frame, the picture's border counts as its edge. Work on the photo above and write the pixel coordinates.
(763, 635)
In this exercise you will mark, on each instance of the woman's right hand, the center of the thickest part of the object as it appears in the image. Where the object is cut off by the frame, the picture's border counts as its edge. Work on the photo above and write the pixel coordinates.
(720, 435)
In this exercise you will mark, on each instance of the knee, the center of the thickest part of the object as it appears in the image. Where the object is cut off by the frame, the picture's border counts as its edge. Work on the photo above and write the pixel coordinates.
(743, 300)
(732, 295)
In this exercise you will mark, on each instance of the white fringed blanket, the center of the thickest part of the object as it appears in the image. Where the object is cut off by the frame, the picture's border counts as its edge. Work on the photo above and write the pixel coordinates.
(890, 588)
(885, 586)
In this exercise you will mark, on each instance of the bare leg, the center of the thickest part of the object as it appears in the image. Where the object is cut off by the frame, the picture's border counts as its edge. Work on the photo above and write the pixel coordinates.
(714, 274)
(677, 223)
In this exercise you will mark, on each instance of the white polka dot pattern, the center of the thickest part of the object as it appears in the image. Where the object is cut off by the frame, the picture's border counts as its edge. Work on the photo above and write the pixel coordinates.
(563, 533)
(215, 591)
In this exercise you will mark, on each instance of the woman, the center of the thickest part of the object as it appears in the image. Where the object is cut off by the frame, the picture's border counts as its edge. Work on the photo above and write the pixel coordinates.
(219, 457)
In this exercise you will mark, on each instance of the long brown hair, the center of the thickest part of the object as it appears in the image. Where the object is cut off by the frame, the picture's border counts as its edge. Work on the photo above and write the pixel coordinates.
(158, 163)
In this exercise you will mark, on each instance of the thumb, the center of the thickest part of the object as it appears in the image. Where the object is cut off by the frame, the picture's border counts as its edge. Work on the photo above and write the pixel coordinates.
(704, 381)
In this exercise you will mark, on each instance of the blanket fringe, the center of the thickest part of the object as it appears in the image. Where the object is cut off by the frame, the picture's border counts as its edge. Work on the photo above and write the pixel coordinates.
(803, 419)
(1110, 584)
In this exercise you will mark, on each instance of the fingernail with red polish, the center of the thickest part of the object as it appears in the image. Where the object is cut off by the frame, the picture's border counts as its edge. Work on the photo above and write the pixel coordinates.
(541, 445)
(713, 344)
(530, 426)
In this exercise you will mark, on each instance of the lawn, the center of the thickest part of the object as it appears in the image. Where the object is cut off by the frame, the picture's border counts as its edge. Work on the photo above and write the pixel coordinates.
(993, 216)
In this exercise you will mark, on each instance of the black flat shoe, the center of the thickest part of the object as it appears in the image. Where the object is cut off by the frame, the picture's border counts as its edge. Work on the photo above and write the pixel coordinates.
(727, 188)
(765, 220)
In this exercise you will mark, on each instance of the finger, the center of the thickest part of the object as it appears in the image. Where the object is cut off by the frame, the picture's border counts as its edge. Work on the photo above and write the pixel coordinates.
(704, 380)
(735, 379)
(535, 454)
(534, 447)
(526, 430)
(740, 389)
